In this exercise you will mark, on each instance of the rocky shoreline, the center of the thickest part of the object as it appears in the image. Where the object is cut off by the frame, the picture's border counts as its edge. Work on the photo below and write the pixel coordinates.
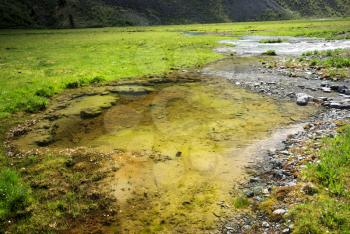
(278, 173)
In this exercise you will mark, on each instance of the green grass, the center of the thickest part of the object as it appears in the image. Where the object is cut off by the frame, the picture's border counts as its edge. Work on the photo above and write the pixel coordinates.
(270, 53)
(329, 210)
(271, 41)
(36, 64)
(15, 196)
(328, 59)
(241, 202)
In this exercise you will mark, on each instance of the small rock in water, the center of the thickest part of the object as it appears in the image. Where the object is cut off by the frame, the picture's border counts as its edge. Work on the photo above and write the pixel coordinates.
(324, 84)
(90, 113)
(303, 99)
(326, 89)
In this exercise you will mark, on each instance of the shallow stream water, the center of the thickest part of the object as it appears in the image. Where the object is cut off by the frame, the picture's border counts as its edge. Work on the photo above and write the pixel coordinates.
(251, 45)
(179, 147)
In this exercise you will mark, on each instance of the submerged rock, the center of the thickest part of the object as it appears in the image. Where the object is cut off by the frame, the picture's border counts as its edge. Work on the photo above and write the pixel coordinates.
(90, 113)
(131, 90)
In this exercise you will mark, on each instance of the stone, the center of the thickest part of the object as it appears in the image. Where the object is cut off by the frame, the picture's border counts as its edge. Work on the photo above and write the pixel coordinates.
(249, 193)
(324, 84)
(254, 180)
(276, 163)
(131, 90)
(326, 89)
(265, 224)
(90, 113)
(286, 231)
(279, 212)
(303, 99)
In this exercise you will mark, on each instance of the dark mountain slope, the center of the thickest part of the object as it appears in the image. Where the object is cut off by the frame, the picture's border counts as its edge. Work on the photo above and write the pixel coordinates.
(90, 13)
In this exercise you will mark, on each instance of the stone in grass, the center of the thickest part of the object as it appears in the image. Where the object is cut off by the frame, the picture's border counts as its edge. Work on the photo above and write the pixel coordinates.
(90, 113)
(279, 212)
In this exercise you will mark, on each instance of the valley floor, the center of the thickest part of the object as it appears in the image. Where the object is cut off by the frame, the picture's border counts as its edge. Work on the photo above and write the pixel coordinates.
(46, 192)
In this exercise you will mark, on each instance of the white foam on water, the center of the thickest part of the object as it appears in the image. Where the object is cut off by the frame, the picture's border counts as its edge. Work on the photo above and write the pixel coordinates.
(250, 45)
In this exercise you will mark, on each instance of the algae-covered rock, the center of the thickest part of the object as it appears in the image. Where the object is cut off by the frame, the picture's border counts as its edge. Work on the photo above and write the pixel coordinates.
(90, 113)
(43, 140)
(89, 106)
(131, 90)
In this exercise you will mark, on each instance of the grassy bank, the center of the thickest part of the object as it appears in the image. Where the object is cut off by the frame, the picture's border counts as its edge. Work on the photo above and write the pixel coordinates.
(328, 210)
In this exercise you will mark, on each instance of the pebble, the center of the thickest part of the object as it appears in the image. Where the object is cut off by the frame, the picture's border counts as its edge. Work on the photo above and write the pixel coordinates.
(279, 212)
(265, 224)
(326, 89)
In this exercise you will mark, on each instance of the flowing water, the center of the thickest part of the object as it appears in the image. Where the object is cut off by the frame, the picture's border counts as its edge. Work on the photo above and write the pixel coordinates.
(179, 147)
(251, 45)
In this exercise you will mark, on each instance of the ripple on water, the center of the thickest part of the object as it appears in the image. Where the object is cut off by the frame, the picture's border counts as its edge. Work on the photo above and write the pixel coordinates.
(250, 45)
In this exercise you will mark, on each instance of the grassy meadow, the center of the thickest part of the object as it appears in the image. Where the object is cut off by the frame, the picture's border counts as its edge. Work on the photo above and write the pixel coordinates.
(37, 64)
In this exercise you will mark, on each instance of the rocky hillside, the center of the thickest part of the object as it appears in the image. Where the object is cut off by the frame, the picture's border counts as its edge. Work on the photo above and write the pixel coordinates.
(96, 13)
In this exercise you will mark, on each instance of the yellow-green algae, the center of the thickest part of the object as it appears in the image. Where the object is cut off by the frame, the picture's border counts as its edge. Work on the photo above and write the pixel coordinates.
(206, 122)
(177, 150)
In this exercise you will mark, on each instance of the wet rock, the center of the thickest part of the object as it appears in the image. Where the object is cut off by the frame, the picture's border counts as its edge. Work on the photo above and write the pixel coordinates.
(249, 193)
(278, 175)
(324, 84)
(276, 163)
(303, 99)
(339, 105)
(286, 231)
(131, 90)
(90, 113)
(254, 180)
(326, 89)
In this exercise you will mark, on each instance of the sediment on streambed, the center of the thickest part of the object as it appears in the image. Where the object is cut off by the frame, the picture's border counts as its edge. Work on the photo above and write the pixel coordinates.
(174, 147)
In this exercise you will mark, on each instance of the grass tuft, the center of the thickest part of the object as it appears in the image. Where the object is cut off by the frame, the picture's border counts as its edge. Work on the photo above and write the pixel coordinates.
(241, 202)
(271, 41)
(270, 53)
(15, 196)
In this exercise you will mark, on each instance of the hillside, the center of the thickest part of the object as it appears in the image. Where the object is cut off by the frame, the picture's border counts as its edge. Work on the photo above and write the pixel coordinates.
(97, 13)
